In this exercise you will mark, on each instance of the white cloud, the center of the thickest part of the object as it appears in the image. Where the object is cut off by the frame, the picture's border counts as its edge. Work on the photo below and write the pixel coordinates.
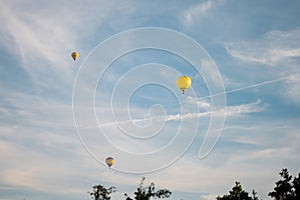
(203, 104)
(41, 43)
(26, 167)
(29, 110)
(44, 40)
(210, 196)
(265, 56)
(196, 11)
(234, 110)
(253, 167)
(245, 108)
(39, 143)
(275, 48)
(29, 176)
(291, 90)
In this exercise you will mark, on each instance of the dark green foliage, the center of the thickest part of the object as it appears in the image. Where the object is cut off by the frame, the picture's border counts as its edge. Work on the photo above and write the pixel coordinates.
(286, 189)
(236, 193)
(146, 193)
(142, 193)
(101, 193)
(254, 197)
(296, 185)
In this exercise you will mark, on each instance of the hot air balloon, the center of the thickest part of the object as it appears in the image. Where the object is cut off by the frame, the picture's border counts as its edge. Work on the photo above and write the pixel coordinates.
(183, 82)
(74, 55)
(109, 161)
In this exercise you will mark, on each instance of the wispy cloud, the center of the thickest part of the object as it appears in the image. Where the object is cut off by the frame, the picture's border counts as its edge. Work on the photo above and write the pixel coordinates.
(234, 110)
(291, 90)
(278, 50)
(201, 103)
(196, 11)
(39, 143)
(275, 48)
(230, 167)
(44, 41)
(245, 108)
(210, 196)
(42, 44)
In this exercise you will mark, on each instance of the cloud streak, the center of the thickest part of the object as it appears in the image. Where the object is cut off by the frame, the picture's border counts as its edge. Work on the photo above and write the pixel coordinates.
(234, 110)
(275, 48)
(39, 145)
(196, 11)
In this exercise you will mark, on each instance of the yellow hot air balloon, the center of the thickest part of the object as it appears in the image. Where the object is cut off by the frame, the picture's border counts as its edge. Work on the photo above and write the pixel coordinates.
(183, 82)
(74, 55)
(109, 161)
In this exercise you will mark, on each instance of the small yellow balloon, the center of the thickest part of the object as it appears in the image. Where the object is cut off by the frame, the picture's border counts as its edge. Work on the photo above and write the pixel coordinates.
(183, 83)
(109, 161)
(74, 55)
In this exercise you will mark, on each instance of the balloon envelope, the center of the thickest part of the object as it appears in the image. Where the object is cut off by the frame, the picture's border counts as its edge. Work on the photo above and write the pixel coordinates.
(109, 161)
(183, 83)
(74, 55)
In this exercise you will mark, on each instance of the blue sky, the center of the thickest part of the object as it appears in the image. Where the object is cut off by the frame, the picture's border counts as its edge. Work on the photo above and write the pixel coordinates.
(60, 119)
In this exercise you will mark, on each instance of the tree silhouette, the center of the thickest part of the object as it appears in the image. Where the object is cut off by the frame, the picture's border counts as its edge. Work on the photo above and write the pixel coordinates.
(101, 193)
(296, 185)
(237, 193)
(283, 189)
(146, 193)
(286, 189)
(254, 197)
(142, 192)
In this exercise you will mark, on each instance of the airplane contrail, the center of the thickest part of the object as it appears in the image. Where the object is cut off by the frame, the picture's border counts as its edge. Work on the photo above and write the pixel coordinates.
(250, 86)
(189, 115)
